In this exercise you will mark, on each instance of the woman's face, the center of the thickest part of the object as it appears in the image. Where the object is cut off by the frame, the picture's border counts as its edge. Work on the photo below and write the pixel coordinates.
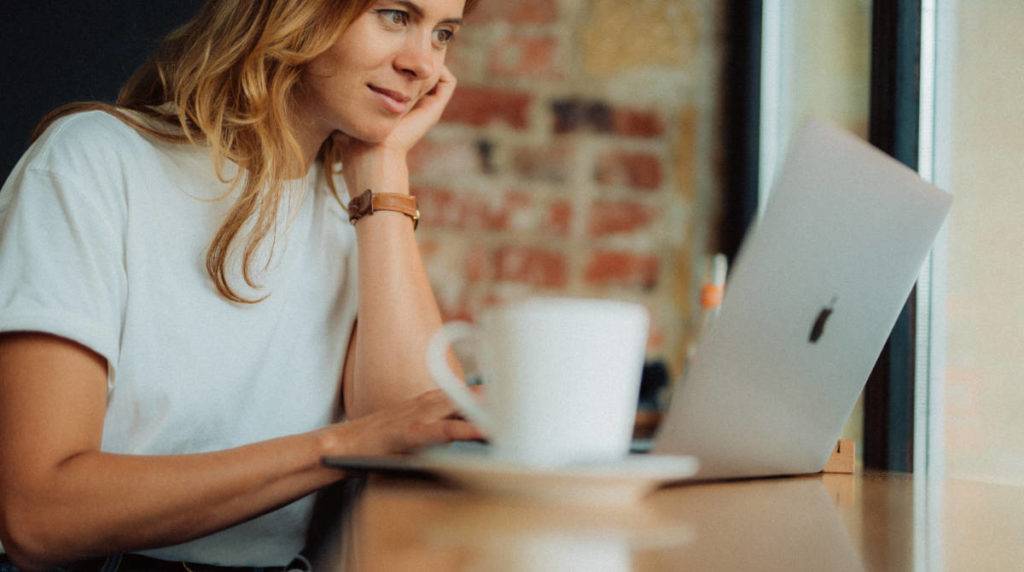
(380, 67)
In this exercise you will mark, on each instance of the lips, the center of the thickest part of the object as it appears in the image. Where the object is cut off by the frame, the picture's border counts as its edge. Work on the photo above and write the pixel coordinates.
(397, 96)
(394, 101)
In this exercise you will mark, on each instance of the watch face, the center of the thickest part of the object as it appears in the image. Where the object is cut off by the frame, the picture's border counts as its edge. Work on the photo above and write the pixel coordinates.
(361, 205)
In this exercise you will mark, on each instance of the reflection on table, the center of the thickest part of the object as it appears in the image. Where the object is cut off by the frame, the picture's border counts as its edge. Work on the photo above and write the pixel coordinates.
(868, 521)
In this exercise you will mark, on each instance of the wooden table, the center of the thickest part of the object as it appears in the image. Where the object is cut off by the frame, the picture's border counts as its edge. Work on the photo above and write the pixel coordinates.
(868, 521)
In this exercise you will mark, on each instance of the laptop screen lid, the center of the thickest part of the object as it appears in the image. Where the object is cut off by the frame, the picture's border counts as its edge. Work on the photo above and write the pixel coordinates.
(817, 287)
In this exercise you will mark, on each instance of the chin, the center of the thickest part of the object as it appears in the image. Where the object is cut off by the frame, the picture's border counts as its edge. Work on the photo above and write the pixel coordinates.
(369, 132)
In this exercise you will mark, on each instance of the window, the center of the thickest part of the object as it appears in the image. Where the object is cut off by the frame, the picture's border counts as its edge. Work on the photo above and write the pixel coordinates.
(975, 355)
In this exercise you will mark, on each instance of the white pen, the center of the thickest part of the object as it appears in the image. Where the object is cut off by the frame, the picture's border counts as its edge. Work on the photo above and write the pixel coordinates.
(711, 294)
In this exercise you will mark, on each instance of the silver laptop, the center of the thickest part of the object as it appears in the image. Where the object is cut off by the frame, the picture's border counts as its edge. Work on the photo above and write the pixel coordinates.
(816, 289)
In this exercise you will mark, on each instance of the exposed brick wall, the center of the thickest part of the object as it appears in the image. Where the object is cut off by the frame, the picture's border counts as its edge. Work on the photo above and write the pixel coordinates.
(576, 158)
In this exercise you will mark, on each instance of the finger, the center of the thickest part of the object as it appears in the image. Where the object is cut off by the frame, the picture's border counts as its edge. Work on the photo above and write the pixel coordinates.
(425, 434)
(442, 90)
(446, 83)
(445, 431)
(425, 113)
(447, 76)
(446, 79)
(458, 430)
(435, 404)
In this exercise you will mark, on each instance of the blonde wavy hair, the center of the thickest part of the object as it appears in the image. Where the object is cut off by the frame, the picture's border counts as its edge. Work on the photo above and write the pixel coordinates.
(230, 75)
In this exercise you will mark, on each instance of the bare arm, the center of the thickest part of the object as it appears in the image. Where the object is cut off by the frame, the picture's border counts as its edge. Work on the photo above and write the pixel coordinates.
(397, 310)
(62, 499)
(397, 315)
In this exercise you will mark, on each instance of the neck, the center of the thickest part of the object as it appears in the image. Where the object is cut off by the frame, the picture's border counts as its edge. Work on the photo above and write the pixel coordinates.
(310, 133)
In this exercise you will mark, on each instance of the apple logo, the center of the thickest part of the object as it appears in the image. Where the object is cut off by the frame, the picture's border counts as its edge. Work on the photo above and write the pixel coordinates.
(819, 323)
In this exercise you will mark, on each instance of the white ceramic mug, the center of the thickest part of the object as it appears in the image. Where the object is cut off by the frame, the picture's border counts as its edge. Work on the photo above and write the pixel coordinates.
(562, 377)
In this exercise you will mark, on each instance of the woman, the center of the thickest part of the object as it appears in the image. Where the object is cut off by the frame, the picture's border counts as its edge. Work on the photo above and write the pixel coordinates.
(179, 283)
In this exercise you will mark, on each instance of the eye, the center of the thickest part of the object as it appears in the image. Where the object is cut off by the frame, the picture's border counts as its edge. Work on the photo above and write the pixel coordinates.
(444, 37)
(394, 17)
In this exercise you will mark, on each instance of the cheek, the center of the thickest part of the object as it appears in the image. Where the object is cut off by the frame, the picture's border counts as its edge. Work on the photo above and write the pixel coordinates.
(326, 84)
(324, 66)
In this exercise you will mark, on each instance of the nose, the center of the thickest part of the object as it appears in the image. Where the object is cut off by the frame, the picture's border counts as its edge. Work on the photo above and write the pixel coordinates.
(416, 59)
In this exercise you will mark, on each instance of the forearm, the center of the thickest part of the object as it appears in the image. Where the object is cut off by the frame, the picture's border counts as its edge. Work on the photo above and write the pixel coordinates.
(98, 503)
(397, 315)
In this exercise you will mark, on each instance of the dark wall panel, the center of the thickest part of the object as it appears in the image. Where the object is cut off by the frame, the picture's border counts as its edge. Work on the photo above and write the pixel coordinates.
(54, 52)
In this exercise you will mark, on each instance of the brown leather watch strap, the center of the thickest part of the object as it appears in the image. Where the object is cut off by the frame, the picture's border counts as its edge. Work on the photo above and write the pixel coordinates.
(369, 202)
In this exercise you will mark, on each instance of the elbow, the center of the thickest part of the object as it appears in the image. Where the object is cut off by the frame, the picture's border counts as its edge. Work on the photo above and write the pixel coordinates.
(22, 550)
(24, 539)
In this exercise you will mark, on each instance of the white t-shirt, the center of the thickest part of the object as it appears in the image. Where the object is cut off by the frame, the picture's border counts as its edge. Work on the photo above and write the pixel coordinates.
(103, 240)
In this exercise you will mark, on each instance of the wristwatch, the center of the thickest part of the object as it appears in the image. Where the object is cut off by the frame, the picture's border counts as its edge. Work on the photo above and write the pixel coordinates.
(370, 202)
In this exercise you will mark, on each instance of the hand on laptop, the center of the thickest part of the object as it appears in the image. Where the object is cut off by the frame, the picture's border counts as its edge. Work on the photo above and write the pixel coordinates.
(427, 419)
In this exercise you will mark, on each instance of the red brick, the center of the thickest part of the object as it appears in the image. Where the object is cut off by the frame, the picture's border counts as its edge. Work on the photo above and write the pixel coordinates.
(573, 114)
(550, 164)
(599, 116)
(525, 213)
(439, 208)
(560, 217)
(428, 248)
(622, 269)
(685, 154)
(492, 299)
(477, 265)
(516, 211)
(524, 56)
(466, 211)
(482, 213)
(617, 217)
(458, 312)
(515, 11)
(634, 169)
(531, 265)
(480, 106)
(636, 123)
(456, 309)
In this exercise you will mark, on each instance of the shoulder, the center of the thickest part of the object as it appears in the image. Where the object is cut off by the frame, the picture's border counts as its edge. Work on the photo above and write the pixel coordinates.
(89, 141)
(89, 126)
(83, 159)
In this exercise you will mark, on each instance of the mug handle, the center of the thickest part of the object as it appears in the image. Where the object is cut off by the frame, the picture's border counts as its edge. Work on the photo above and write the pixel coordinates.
(445, 378)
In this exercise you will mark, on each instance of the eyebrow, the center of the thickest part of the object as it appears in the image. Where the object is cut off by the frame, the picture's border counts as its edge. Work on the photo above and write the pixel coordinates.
(418, 11)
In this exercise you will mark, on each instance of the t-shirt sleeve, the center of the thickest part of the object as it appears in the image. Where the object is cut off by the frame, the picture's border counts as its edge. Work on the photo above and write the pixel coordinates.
(61, 247)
